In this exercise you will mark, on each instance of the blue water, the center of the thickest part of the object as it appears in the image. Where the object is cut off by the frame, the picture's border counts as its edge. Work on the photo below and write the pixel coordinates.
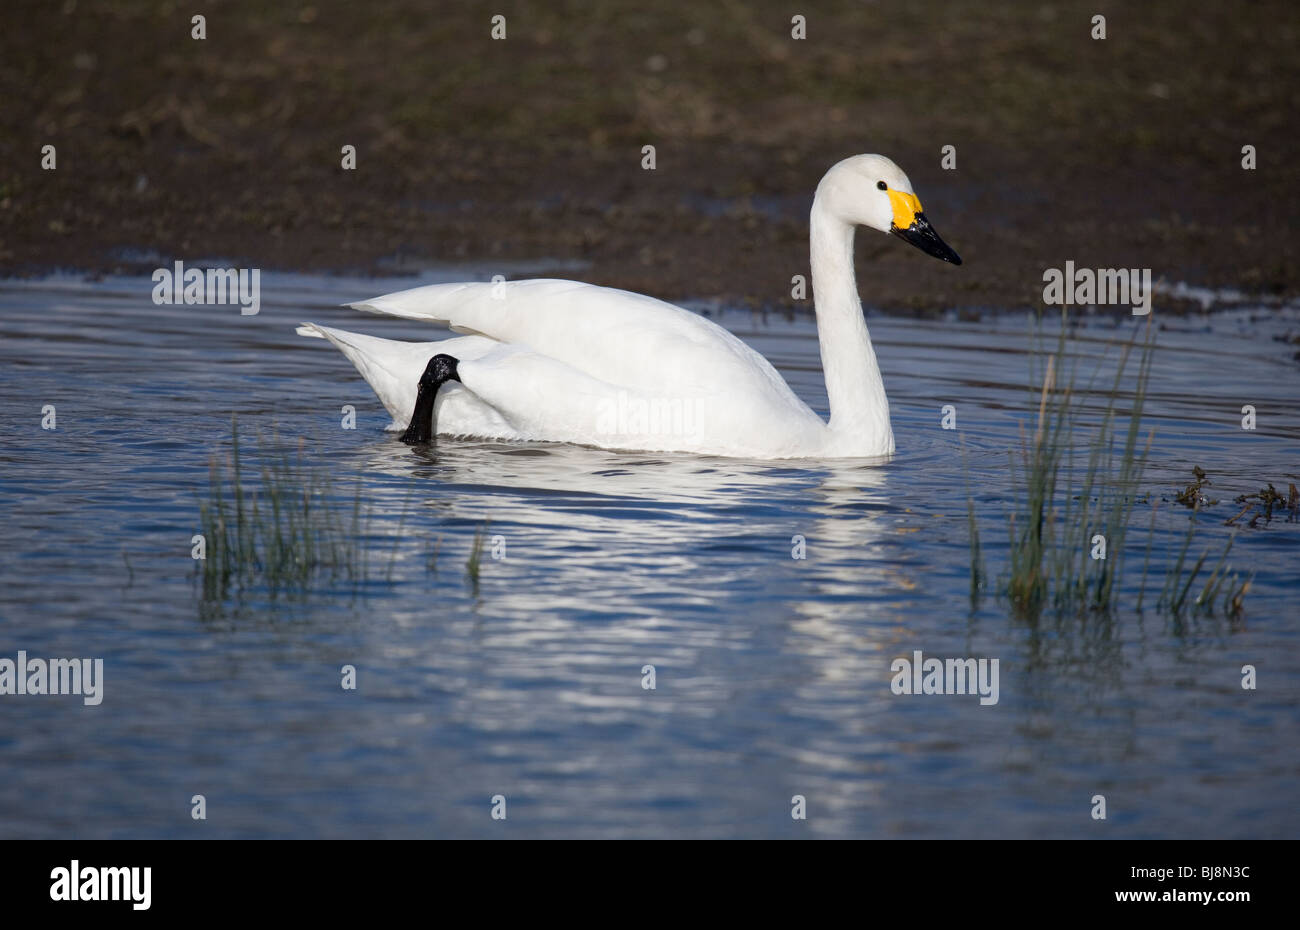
(772, 674)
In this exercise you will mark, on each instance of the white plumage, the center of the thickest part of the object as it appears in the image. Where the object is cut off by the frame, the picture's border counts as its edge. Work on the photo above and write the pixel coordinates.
(563, 361)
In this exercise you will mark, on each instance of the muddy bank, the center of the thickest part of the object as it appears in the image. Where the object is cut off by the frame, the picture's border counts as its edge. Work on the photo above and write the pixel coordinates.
(1124, 152)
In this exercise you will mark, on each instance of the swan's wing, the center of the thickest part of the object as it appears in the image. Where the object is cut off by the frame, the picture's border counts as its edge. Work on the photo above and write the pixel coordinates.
(537, 395)
(615, 336)
(559, 402)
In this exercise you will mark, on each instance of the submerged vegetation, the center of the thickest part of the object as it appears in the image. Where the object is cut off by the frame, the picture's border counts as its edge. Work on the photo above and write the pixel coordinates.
(1076, 484)
(1194, 494)
(287, 528)
(1267, 501)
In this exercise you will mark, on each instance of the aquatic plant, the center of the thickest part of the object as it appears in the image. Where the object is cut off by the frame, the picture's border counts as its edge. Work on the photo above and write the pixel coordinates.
(475, 558)
(1264, 502)
(1069, 527)
(977, 572)
(292, 528)
(1194, 494)
(287, 531)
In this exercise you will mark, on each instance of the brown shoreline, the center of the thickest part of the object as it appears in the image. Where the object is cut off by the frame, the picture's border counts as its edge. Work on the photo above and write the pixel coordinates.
(1116, 153)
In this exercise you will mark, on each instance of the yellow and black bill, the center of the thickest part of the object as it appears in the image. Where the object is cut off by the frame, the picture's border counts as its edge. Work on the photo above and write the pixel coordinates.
(911, 225)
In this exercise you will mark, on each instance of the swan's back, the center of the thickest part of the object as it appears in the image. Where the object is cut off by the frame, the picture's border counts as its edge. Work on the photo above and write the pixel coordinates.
(626, 339)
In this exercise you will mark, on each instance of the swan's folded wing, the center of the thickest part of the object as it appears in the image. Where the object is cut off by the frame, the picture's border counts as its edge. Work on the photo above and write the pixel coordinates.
(615, 336)
(487, 308)
(537, 312)
(544, 398)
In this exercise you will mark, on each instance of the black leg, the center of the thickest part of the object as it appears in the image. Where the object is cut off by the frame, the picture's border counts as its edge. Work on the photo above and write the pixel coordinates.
(441, 369)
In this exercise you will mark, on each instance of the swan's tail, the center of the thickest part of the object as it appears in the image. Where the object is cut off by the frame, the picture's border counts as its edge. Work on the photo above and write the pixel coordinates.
(391, 368)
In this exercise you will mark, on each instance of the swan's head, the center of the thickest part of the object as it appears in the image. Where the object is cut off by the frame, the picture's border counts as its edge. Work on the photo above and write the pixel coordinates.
(872, 191)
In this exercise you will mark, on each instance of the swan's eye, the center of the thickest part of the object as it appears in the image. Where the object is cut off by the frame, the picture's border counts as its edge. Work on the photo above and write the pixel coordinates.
(882, 185)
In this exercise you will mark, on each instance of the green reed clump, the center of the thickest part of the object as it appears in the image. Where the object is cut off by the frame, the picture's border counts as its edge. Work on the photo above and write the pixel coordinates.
(475, 558)
(1224, 588)
(1067, 513)
(290, 528)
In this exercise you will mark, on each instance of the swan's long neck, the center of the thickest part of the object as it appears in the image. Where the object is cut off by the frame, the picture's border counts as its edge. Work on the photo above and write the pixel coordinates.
(420, 429)
(859, 408)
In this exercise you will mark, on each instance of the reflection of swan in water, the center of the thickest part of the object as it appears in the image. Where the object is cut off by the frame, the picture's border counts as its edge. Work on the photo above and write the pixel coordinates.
(582, 511)
(615, 560)
(562, 361)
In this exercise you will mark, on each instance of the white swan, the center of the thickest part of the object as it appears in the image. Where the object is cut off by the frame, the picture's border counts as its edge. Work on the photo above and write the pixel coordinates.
(569, 362)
